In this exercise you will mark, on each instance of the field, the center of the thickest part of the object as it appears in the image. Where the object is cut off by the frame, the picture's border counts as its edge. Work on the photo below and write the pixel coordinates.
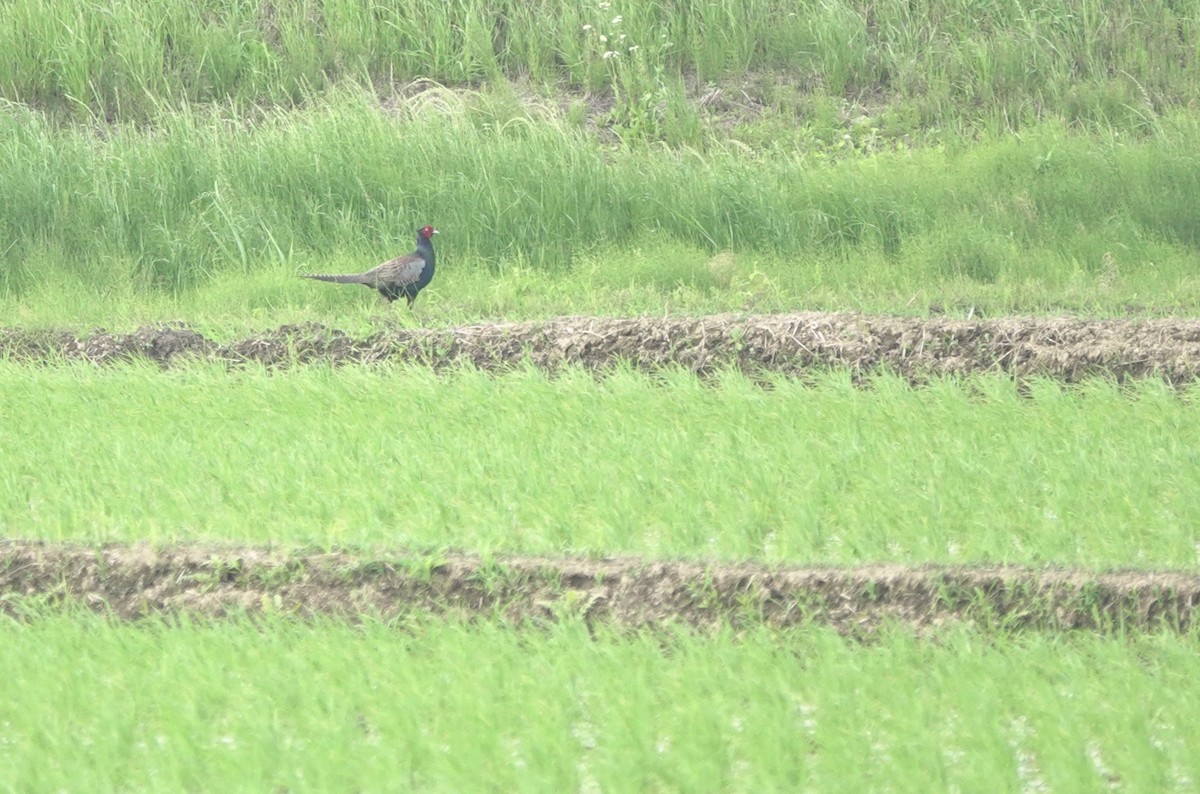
(805, 399)
(327, 705)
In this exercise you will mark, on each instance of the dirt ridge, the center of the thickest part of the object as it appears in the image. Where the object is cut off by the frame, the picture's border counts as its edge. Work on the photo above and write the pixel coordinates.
(214, 581)
(918, 348)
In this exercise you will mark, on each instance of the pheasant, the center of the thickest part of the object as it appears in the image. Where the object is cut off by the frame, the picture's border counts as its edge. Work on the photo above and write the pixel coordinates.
(405, 275)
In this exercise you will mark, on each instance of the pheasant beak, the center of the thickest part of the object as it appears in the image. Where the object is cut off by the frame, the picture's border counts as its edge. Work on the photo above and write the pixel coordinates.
(435, 231)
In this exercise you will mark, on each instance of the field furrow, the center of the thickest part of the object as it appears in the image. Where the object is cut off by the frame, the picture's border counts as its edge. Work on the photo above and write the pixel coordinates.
(1065, 348)
(214, 581)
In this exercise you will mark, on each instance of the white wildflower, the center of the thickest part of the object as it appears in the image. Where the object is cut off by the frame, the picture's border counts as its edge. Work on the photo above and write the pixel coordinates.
(603, 38)
(587, 27)
(618, 19)
(634, 47)
(610, 54)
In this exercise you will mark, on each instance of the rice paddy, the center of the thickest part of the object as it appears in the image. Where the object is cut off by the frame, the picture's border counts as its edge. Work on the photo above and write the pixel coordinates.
(181, 163)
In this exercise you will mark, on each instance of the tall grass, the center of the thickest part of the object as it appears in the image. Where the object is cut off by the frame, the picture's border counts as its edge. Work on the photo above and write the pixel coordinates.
(1093, 476)
(200, 195)
(86, 705)
(951, 62)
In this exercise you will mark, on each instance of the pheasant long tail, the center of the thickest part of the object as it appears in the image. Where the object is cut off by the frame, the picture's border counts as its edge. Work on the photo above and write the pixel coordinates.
(354, 278)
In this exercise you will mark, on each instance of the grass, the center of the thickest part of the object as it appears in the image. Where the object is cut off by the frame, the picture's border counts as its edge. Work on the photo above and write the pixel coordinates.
(960, 471)
(276, 705)
(943, 63)
(189, 221)
(661, 278)
(182, 160)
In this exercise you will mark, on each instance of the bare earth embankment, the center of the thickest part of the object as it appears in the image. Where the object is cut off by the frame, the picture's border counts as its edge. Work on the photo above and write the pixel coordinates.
(209, 581)
(917, 348)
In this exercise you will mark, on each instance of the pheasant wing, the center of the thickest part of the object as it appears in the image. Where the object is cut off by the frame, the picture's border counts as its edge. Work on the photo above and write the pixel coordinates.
(399, 272)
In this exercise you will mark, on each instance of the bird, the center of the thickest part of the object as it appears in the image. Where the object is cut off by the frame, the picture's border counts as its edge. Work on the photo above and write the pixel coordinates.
(405, 275)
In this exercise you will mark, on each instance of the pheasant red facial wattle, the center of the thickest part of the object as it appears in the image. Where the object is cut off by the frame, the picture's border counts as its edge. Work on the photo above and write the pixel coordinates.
(405, 275)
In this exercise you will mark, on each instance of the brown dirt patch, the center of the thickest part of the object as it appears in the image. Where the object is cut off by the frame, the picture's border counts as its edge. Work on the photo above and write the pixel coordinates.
(792, 344)
(130, 582)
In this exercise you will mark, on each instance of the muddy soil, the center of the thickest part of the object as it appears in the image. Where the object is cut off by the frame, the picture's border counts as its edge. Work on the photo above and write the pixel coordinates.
(213, 582)
(792, 344)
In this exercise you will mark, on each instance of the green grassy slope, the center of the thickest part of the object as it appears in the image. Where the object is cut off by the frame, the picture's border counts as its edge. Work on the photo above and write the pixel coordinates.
(944, 63)
(190, 219)
(180, 160)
